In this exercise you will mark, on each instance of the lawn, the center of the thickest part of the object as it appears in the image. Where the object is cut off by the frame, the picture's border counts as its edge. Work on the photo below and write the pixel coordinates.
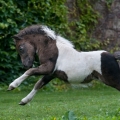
(101, 103)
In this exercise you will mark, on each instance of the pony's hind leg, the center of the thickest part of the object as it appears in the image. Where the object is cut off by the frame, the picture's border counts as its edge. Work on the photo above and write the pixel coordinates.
(110, 70)
(37, 86)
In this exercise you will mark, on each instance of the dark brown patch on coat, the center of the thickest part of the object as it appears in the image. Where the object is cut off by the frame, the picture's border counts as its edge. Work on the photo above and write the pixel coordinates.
(61, 75)
(93, 76)
(117, 55)
(110, 70)
(88, 79)
(43, 81)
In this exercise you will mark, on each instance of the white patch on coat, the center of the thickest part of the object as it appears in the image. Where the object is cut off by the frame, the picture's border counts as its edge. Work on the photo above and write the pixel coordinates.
(77, 65)
(18, 81)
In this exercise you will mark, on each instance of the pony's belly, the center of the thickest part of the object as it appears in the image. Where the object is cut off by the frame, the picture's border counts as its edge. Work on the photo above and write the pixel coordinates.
(77, 76)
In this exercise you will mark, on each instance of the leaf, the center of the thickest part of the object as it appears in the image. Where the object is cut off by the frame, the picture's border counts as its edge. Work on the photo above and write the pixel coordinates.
(69, 116)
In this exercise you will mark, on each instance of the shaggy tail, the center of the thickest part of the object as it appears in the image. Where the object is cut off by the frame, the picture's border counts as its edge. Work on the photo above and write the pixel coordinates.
(117, 55)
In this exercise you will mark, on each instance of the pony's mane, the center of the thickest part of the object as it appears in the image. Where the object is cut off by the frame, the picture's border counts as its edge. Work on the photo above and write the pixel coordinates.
(44, 30)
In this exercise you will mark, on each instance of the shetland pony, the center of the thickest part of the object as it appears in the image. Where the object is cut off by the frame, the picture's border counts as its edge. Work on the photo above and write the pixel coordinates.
(59, 59)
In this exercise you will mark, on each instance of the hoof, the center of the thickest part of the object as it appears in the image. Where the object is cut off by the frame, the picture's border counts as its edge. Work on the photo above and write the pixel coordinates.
(10, 88)
(22, 103)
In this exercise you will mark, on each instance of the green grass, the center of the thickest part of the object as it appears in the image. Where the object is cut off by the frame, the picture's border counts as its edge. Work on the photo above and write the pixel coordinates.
(102, 103)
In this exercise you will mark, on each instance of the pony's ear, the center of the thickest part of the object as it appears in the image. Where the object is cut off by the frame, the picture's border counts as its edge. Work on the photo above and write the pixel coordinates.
(16, 37)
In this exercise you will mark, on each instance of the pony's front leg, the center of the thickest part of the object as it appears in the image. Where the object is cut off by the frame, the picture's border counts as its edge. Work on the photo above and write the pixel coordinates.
(18, 81)
(37, 86)
(43, 69)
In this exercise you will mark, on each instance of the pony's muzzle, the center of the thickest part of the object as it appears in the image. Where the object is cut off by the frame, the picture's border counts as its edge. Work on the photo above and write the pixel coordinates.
(28, 64)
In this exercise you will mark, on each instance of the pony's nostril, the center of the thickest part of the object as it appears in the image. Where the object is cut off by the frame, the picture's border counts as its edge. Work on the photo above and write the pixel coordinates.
(26, 67)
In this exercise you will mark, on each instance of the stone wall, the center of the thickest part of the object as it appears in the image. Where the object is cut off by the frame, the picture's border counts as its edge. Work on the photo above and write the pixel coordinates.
(108, 28)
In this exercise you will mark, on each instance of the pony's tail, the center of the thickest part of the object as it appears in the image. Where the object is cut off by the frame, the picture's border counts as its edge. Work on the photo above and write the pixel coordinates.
(117, 55)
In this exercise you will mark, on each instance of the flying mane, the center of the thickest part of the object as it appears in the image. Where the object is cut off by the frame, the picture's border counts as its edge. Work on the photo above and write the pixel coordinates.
(44, 30)
(53, 35)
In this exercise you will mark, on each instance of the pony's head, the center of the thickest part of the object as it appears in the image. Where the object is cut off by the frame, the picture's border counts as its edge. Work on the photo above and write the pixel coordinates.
(37, 38)
(26, 51)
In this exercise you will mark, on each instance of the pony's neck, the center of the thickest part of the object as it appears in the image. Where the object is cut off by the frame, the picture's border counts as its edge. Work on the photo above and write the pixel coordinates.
(43, 44)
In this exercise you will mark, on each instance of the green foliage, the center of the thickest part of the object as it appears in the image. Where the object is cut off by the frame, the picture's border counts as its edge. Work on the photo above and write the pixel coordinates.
(9, 65)
(69, 116)
(84, 26)
(109, 2)
(15, 15)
